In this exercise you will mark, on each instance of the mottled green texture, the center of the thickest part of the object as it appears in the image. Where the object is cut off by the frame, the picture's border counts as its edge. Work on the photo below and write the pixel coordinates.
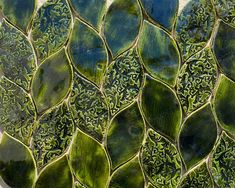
(223, 162)
(161, 108)
(17, 112)
(88, 107)
(17, 61)
(194, 26)
(18, 12)
(125, 135)
(123, 81)
(159, 53)
(88, 52)
(198, 136)
(51, 27)
(17, 166)
(160, 161)
(56, 175)
(51, 82)
(225, 105)
(89, 161)
(127, 176)
(121, 25)
(196, 80)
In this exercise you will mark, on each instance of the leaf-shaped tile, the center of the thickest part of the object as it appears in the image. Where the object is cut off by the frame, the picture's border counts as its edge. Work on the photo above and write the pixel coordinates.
(125, 135)
(161, 108)
(194, 26)
(17, 167)
(88, 52)
(121, 25)
(56, 175)
(196, 80)
(224, 49)
(150, 186)
(88, 107)
(162, 11)
(92, 11)
(160, 160)
(123, 81)
(127, 176)
(52, 135)
(52, 81)
(17, 60)
(18, 12)
(78, 185)
(89, 161)
(51, 27)
(198, 136)
(17, 112)
(197, 178)
(159, 53)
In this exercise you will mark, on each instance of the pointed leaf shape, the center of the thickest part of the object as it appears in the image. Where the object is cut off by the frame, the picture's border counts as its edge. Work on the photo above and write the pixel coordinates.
(17, 61)
(197, 136)
(121, 25)
(56, 174)
(160, 161)
(17, 167)
(162, 11)
(194, 26)
(88, 52)
(223, 160)
(196, 80)
(123, 81)
(52, 135)
(125, 135)
(198, 177)
(128, 175)
(51, 27)
(88, 107)
(92, 11)
(163, 111)
(89, 161)
(52, 81)
(224, 49)
(17, 111)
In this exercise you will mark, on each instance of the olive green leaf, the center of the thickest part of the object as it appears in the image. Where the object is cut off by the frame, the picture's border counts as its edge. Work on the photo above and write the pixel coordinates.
(17, 166)
(56, 175)
(51, 27)
(52, 81)
(125, 135)
(160, 161)
(198, 136)
(89, 161)
(87, 51)
(121, 25)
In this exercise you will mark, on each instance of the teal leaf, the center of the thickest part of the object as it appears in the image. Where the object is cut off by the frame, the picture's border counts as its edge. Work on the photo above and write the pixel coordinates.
(17, 166)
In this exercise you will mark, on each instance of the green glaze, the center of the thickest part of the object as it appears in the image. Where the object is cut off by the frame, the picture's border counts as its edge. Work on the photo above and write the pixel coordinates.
(17, 60)
(18, 12)
(198, 136)
(127, 176)
(89, 161)
(88, 52)
(160, 161)
(56, 175)
(159, 53)
(225, 105)
(161, 108)
(121, 25)
(125, 135)
(150, 186)
(88, 108)
(223, 162)
(17, 166)
(52, 81)
(51, 27)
